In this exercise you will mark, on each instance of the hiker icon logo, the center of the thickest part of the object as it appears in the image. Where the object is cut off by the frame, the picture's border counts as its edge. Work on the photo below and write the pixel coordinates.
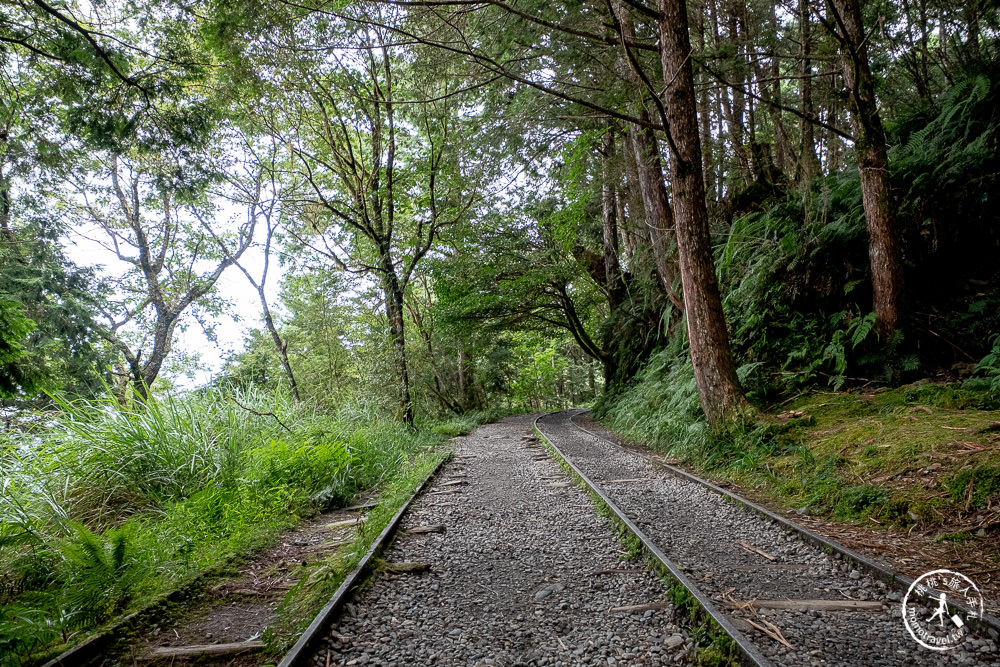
(929, 617)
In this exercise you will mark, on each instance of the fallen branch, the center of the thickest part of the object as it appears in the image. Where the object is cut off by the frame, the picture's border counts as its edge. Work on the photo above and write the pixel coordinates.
(755, 550)
(771, 631)
(419, 530)
(262, 414)
(207, 649)
(649, 606)
(406, 568)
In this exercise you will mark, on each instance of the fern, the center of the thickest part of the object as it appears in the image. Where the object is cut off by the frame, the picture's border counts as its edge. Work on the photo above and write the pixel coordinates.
(989, 366)
(99, 579)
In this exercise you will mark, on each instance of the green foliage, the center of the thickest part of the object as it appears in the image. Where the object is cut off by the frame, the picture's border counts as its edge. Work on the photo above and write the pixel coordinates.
(323, 578)
(47, 337)
(97, 576)
(858, 501)
(988, 369)
(974, 485)
(14, 328)
(106, 506)
(662, 408)
(947, 156)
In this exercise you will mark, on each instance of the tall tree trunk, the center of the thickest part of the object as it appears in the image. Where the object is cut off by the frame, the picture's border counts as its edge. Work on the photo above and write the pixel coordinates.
(394, 311)
(782, 146)
(609, 207)
(467, 381)
(884, 250)
(705, 117)
(808, 164)
(718, 387)
(6, 235)
(737, 107)
(659, 216)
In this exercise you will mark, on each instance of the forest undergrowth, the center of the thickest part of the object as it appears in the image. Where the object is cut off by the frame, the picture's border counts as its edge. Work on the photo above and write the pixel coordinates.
(896, 431)
(106, 507)
(923, 456)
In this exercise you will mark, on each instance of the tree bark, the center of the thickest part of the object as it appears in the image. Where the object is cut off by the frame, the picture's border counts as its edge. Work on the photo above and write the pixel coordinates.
(782, 146)
(394, 311)
(884, 250)
(721, 397)
(659, 216)
(609, 207)
(808, 164)
(705, 118)
(280, 345)
(150, 262)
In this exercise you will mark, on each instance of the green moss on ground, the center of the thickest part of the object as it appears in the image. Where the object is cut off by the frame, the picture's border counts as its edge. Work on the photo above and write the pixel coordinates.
(924, 456)
(927, 454)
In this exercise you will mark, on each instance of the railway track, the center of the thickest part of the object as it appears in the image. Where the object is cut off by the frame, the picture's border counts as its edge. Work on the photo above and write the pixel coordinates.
(522, 571)
(221, 619)
(786, 596)
(505, 563)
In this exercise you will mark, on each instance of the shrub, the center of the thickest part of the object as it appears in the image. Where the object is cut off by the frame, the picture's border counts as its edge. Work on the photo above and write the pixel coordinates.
(105, 506)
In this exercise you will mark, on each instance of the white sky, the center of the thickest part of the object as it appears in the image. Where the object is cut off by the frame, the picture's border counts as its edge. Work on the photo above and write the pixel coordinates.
(233, 290)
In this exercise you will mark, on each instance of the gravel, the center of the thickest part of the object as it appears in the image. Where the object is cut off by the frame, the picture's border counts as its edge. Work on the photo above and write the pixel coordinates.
(719, 545)
(526, 573)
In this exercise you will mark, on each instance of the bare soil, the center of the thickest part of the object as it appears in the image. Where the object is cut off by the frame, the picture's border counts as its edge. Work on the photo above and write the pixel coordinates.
(238, 608)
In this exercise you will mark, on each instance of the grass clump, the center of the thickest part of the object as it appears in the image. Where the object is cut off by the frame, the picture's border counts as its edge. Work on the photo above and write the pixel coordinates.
(104, 507)
(974, 486)
(858, 501)
(461, 424)
(923, 454)
(315, 589)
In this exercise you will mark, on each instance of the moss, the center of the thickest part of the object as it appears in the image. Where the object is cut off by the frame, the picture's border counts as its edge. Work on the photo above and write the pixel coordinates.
(960, 536)
(973, 486)
(859, 501)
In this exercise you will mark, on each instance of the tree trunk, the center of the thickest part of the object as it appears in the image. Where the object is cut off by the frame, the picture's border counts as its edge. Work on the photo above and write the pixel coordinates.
(808, 164)
(280, 345)
(782, 146)
(394, 311)
(467, 381)
(718, 387)
(609, 206)
(163, 335)
(659, 216)
(884, 250)
(6, 235)
(705, 118)
(738, 105)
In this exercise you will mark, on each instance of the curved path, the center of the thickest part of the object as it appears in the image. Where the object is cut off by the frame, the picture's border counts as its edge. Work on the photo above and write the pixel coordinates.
(524, 573)
(752, 568)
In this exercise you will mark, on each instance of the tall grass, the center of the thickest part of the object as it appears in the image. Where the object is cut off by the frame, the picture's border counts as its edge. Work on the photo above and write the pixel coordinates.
(104, 506)
(662, 410)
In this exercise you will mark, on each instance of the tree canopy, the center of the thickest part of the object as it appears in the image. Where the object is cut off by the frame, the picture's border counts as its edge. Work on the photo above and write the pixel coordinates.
(449, 193)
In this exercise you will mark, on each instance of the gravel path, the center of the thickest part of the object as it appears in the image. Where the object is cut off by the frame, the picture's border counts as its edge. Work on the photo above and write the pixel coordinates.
(721, 546)
(524, 574)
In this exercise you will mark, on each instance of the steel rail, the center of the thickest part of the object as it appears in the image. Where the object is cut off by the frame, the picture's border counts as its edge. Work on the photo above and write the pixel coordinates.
(93, 648)
(985, 624)
(302, 651)
(750, 655)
